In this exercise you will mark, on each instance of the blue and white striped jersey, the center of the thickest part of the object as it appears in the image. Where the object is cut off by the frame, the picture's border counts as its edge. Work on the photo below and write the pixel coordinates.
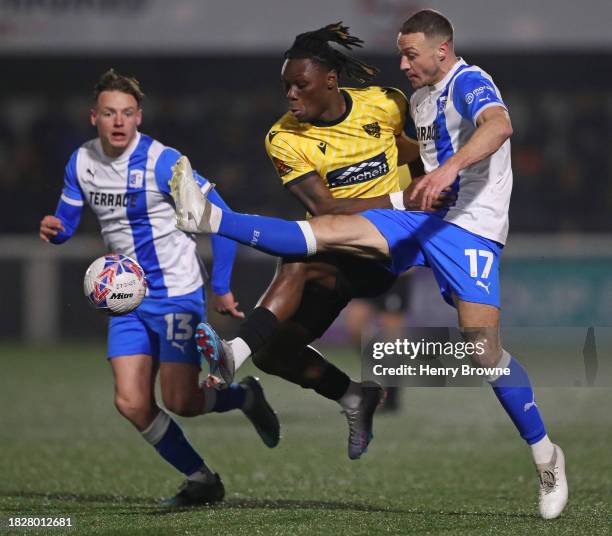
(445, 118)
(130, 196)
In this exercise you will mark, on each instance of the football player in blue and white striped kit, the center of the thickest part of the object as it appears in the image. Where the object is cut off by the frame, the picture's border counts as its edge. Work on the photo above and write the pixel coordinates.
(123, 176)
(463, 129)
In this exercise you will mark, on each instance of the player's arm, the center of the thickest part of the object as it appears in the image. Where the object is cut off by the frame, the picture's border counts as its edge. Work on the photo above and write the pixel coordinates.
(407, 149)
(224, 255)
(223, 249)
(318, 200)
(399, 118)
(493, 127)
(300, 178)
(59, 227)
(408, 152)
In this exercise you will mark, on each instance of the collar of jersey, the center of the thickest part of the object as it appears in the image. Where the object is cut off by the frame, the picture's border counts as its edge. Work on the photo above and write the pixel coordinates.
(125, 155)
(443, 83)
(349, 106)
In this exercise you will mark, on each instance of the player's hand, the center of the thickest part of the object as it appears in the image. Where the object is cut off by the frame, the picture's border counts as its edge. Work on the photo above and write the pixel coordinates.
(431, 185)
(49, 227)
(226, 305)
(445, 199)
(212, 382)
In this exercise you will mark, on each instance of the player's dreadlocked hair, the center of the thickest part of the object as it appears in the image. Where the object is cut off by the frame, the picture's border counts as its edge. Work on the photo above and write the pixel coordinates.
(112, 81)
(314, 45)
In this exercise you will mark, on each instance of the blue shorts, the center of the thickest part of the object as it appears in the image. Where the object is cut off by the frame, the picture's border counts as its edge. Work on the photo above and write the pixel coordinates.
(160, 327)
(464, 264)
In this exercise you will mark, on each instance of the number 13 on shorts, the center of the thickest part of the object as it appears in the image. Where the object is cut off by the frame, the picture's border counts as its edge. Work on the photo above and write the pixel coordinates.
(178, 326)
(473, 255)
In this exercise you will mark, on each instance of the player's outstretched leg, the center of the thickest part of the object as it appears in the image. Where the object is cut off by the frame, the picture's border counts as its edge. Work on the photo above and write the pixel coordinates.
(196, 214)
(282, 238)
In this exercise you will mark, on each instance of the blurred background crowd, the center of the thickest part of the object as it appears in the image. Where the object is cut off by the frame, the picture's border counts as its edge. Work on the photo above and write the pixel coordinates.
(218, 109)
(211, 73)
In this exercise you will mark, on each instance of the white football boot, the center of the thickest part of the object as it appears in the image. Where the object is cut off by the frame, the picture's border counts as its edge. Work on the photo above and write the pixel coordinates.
(553, 485)
(194, 212)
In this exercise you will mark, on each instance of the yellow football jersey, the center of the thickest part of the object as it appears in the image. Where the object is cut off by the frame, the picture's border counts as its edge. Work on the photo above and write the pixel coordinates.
(355, 155)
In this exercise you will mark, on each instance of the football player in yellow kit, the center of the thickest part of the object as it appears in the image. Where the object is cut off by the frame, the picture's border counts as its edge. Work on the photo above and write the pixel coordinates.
(337, 150)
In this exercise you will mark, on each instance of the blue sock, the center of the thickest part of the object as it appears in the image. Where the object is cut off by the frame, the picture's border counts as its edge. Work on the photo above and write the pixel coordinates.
(517, 398)
(230, 398)
(169, 441)
(275, 236)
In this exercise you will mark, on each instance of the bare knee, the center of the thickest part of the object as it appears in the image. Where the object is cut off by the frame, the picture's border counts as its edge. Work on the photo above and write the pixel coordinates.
(181, 404)
(480, 326)
(180, 389)
(351, 234)
(486, 346)
(489, 358)
(178, 405)
(329, 231)
(136, 409)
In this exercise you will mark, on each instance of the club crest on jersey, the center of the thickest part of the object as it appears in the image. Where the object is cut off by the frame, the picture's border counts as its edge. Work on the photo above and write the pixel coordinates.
(322, 146)
(368, 170)
(136, 178)
(442, 104)
(282, 168)
(373, 129)
(272, 134)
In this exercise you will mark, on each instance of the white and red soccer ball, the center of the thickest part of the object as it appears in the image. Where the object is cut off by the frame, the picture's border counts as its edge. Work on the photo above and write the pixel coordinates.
(115, 284)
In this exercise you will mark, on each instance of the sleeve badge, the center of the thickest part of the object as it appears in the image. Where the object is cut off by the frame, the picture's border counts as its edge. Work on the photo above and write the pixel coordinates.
(281, 167)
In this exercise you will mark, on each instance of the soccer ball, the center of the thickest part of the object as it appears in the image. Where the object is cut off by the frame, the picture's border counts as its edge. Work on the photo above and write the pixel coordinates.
(115, 284)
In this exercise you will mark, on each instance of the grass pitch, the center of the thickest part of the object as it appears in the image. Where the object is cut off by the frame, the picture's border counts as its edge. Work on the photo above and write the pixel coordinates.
(449, 463)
